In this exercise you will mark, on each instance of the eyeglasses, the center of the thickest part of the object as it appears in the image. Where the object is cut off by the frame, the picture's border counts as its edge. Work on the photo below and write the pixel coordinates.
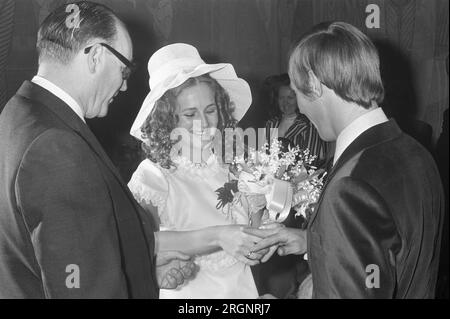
(129, 66)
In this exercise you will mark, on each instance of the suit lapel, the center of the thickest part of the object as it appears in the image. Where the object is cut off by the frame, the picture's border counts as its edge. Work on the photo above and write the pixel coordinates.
(374, 135)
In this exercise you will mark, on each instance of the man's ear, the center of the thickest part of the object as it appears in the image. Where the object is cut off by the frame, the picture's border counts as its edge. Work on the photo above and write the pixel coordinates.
(95, 57)
(314, 84)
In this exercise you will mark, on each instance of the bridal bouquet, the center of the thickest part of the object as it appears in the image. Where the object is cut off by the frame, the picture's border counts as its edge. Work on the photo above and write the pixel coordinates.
(275, 180)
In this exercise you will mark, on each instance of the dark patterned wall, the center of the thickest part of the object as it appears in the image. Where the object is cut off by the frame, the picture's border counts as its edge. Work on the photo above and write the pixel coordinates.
(254, 35)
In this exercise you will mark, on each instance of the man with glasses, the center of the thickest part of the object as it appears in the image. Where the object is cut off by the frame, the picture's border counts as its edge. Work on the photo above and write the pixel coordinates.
(129, 65)
(69, 227)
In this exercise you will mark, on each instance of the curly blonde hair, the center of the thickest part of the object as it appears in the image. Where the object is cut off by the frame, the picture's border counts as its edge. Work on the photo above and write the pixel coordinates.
(163, 119)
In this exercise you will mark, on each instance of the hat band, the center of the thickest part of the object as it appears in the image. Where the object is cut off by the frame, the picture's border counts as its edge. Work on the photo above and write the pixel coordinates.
(173, 68)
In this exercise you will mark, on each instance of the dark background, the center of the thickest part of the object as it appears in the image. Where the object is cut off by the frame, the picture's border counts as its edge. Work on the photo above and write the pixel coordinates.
(255, 36)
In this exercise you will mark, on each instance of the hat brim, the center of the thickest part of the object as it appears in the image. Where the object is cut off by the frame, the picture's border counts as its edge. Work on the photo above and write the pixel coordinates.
(224, 73)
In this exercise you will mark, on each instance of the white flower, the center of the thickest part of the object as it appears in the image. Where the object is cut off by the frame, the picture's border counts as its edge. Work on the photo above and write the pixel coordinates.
(295, 166)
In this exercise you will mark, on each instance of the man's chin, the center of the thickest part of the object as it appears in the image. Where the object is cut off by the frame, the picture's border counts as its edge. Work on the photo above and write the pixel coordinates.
(104, 111)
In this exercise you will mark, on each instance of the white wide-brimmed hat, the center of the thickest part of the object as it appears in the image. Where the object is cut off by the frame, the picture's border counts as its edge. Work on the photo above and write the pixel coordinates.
(173, 64)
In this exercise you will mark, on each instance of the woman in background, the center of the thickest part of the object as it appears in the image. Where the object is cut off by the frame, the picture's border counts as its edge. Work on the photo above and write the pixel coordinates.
(291, 124)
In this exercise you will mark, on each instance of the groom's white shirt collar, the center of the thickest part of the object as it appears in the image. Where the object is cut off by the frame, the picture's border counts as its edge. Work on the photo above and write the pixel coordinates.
(60, 93)
(356, 128)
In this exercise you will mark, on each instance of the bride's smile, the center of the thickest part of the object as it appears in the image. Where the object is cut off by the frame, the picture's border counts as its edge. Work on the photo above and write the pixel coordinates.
(197, 104)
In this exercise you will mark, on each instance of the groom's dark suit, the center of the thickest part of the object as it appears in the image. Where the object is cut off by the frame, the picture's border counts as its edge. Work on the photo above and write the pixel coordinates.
(63, 203)
(382, 207)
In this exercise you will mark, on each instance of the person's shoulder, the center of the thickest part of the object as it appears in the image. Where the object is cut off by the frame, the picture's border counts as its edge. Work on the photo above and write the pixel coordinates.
(389, 162)
(20, 106)
(146, 166)
(27, 120)
(59, 157)
(398, 150)
(55, 145)
(56, 136)
(150, 174)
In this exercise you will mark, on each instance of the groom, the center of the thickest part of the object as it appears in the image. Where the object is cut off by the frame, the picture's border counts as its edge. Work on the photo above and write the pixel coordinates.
(377, 227)
(69, 227)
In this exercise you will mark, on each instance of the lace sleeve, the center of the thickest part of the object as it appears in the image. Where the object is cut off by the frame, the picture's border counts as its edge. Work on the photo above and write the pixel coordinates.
(149, 186)
(216, 261)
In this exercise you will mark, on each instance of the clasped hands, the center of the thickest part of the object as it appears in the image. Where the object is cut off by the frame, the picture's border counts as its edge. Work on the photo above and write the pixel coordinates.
(173, 269)
(256, 245)
(259, 244)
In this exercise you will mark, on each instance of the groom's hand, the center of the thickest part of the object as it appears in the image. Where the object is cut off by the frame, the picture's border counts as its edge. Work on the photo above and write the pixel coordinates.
(269, 229)
(286, 240)
(173, 269)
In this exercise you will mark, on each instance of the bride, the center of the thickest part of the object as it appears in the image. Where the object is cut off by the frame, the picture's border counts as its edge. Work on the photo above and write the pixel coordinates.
(188, 94)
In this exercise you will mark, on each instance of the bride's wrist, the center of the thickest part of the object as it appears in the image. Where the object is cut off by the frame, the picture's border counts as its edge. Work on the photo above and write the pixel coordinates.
(219, 235)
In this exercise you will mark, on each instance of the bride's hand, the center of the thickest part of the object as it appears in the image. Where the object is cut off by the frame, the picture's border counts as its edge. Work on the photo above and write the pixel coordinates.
(268, 228)
(237, 243)
(287, 240)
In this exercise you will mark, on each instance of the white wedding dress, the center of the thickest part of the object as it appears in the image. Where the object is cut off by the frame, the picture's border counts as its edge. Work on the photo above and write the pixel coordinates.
(186, 200)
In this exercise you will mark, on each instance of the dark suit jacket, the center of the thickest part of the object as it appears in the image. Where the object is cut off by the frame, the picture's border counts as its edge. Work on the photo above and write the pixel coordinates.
(63, 203)
(381, 209)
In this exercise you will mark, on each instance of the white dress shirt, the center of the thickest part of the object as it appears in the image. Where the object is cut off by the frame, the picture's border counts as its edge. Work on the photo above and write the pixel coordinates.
(356, 128)
(60, 93)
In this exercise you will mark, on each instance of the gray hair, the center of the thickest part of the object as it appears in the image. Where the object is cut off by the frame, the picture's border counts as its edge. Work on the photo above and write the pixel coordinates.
(59, 41)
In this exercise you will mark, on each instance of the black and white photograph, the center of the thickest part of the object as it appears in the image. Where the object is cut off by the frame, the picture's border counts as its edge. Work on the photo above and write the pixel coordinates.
(244, 151)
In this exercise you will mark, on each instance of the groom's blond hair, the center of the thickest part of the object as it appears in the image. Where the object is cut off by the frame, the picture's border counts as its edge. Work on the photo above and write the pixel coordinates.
(342, 58)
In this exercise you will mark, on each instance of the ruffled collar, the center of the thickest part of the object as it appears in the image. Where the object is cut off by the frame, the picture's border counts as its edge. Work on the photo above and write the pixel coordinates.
(186, 163)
